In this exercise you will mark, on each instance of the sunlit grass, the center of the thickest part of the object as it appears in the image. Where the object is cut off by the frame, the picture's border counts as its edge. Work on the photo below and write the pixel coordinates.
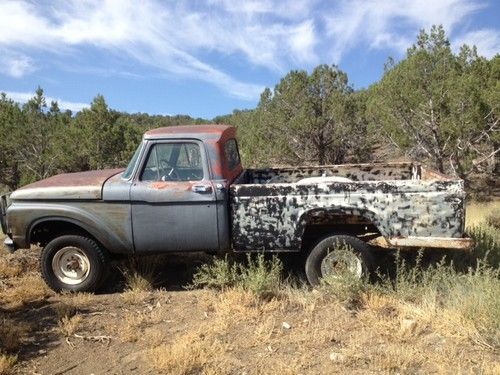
(478, 212)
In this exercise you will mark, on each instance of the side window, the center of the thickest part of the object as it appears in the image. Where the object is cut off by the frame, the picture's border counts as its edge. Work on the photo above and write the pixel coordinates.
(232, 154)
(173, 162)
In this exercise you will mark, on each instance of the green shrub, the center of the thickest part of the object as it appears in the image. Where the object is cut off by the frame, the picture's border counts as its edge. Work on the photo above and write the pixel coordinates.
(219, 274)
(474, 294)
(493, 220)
(486, 245)
(258, 275)
(344, 285)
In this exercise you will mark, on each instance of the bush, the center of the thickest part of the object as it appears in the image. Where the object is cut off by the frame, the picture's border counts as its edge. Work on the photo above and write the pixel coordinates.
(486, 245)
(493, 220)
(219, 274)
(258, 275)
(472, 296)
(344, 285)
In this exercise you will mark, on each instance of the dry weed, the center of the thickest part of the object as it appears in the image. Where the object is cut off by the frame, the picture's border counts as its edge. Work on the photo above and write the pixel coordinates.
(131, 326)
(192, 353)
(78, 300)
(69, 325)
(478, 212)
(9, 269)
(134, 296)
(64, 310)
(399, 358)
(12, 334)
(24, 290)
(7, 363)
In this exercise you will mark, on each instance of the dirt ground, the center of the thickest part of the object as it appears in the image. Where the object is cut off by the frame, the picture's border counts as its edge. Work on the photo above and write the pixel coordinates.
(173, 330)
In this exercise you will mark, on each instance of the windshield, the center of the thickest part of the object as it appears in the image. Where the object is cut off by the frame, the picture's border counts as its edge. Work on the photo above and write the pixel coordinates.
(130, 168)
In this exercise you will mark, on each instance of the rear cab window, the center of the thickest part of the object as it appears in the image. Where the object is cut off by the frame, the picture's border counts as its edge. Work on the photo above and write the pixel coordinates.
(232, 154)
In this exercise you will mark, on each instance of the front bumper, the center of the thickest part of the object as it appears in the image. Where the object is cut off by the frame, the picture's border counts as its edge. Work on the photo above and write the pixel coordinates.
(9, 244)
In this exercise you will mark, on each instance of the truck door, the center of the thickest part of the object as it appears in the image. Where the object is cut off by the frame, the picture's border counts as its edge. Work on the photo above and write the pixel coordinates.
(173, 200)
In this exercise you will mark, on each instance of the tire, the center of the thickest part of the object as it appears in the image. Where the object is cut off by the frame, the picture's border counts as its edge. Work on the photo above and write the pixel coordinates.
(359, 261)
(74, 263)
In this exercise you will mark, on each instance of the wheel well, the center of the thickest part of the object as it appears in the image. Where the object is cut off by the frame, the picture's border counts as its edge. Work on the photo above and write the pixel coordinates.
(44, 232)
(318, 226)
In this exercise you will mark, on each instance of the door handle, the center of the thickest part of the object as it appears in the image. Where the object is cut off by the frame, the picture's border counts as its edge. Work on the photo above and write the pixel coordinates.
(202, 189)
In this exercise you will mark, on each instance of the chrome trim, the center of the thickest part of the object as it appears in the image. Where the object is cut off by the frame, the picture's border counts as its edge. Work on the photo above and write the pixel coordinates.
(9, 244)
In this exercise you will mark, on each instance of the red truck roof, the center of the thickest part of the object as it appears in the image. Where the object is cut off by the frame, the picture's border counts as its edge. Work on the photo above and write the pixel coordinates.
(206, 131)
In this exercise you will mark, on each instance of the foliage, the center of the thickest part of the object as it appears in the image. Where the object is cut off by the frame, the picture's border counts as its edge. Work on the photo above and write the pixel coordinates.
(441, 106)
(307, 118)
(435, 105)
(473, 295)
(258, 275)
(38, 140)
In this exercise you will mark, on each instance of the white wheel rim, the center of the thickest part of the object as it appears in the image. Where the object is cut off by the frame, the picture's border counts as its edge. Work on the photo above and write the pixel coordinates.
(71, 265)
(339, 261)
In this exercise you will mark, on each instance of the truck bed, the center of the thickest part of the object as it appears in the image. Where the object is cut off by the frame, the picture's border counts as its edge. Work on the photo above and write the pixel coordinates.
(408, 204)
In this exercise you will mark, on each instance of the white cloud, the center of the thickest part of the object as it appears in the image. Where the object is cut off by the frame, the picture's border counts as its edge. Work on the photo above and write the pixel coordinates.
(15, 64)
(169, 36)
(303, 41)
(487, 41)
(391, 24)
(193, 40)
(23, 97)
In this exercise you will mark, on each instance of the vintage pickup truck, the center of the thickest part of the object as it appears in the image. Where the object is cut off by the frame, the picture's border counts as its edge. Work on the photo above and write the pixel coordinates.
(185, 190)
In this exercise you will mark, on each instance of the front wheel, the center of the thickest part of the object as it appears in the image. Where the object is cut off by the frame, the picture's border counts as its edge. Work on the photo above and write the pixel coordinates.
(74, 263)
(337, 255)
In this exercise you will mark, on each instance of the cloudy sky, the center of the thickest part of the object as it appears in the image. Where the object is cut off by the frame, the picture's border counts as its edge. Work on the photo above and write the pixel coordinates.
(205, 58)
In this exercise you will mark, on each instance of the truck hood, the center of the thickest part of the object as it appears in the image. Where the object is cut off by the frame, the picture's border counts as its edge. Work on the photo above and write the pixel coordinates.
(81, 185)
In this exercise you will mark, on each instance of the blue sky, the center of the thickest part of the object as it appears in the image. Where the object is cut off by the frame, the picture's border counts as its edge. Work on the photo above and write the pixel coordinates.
(205, 58)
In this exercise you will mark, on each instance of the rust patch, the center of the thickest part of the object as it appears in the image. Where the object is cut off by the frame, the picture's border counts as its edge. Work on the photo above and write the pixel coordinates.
(177, 185)
(199, 130)
(88, 178)
(432, 242)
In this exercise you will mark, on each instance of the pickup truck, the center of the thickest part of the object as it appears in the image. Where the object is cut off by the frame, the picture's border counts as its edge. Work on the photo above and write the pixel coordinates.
(185, 190)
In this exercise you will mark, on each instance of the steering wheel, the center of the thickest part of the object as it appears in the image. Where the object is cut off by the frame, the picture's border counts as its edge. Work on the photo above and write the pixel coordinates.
(169, 171)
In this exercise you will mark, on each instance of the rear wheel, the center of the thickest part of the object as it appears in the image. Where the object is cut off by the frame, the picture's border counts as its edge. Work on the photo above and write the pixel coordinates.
(337, 255)
(74, 263)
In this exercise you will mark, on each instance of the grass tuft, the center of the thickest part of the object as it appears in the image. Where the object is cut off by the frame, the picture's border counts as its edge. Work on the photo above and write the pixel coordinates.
(257, 275)
(69, 325)
(7, 363)
(141, 274)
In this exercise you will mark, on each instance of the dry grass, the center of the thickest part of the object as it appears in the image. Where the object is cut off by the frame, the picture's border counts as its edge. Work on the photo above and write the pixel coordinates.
(131, 326)
(192, 353)
(24, 290)
(68, 326)
(477, 213)
(140, 274)
(77, 300)
(12, 334)
(134, 296)
(7, 363)
(9, 270)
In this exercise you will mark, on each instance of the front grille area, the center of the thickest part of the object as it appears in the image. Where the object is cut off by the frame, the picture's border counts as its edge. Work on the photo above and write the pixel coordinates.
(3, 211)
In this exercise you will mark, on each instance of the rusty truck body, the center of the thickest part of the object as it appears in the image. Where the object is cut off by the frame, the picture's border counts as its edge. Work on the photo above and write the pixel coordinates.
(186, 190)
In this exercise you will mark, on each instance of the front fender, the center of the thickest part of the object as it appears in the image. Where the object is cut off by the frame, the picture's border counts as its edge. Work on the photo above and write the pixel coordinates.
(109, 223)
